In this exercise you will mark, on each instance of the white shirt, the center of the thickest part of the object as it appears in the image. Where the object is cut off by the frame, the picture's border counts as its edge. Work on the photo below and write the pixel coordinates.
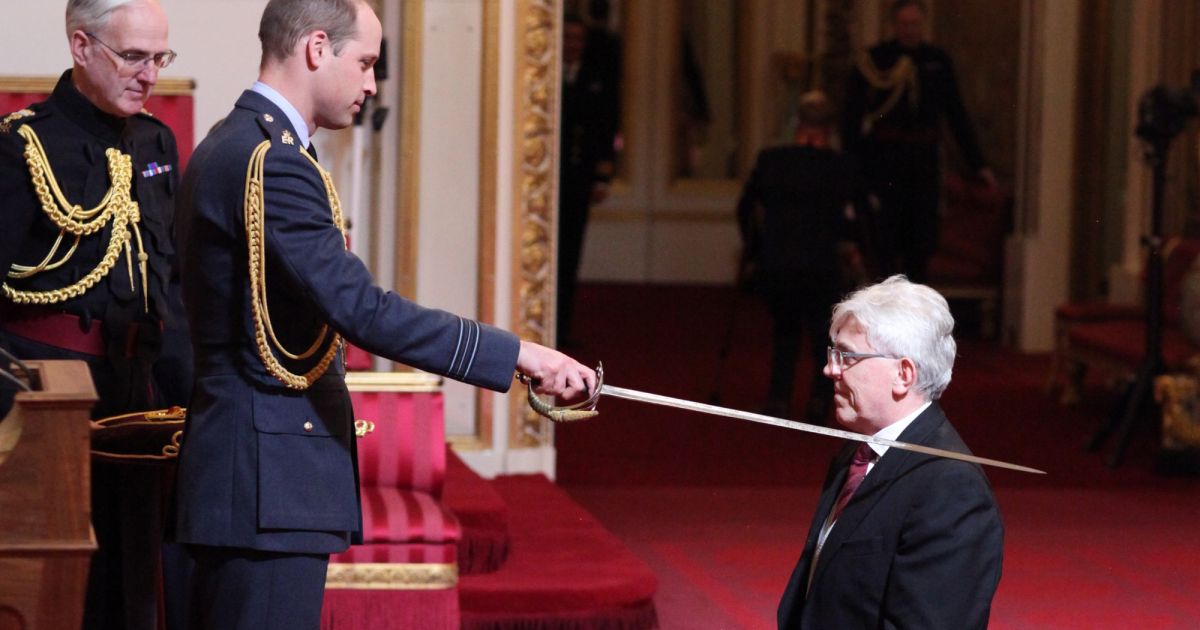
(890, 432)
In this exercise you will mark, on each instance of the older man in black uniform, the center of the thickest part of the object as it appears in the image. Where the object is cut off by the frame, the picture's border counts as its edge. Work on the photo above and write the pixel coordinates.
(87, 179)
(896, 100)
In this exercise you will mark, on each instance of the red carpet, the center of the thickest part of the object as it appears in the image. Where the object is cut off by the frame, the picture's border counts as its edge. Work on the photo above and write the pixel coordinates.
(564, 570)
(718, 509)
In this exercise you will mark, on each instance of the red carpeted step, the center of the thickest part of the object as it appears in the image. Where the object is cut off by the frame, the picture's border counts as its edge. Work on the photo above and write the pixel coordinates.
(483, 515)
(564, 570)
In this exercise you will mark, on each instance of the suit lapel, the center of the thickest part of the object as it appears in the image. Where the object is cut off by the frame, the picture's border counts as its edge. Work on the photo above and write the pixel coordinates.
(894, 463)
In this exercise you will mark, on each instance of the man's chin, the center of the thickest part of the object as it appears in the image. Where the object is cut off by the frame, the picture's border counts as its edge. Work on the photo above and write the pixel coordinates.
(129, 106)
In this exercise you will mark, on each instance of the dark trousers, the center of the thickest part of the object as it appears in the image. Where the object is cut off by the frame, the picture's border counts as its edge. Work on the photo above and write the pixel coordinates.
(575, 195)
(800, 305)
(904, 228)
(247, 589)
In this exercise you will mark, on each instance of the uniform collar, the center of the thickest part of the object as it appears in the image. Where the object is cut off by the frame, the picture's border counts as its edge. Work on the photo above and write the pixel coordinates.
(68, 100)
(287, 108)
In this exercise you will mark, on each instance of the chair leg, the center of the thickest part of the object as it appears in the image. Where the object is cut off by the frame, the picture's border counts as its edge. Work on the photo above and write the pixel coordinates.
(1057, 358)
(1073, 384)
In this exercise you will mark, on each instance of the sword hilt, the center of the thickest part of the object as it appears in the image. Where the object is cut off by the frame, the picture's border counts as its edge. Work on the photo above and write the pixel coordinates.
(567, 413)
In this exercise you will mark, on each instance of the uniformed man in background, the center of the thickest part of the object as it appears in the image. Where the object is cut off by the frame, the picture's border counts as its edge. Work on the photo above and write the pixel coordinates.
(898, 96)
(87, 179)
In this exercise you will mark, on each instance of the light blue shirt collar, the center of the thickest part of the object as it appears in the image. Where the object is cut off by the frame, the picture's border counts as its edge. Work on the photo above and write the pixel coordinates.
(282, 103)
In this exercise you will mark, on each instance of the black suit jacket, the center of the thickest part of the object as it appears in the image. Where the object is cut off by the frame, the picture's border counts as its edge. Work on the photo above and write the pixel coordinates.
(919, 545)
(263, 466)
(792, 211)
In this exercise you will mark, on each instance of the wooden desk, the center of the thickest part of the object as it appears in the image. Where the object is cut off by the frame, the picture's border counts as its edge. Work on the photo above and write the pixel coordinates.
(46, 537)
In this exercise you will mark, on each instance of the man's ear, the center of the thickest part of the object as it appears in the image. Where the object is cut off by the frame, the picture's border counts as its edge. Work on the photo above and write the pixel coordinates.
(79, 48)
(317, 48)
(905, 378)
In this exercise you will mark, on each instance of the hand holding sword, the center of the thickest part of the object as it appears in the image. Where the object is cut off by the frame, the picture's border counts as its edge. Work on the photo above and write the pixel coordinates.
(587, 409)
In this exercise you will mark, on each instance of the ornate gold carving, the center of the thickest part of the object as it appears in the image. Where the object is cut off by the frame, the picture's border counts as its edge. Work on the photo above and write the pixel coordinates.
(391, 576)
(537, 111)
(1179, 397)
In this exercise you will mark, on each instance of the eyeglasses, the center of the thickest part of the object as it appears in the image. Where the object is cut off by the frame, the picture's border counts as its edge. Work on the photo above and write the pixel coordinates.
(839, 360)
(137, 58)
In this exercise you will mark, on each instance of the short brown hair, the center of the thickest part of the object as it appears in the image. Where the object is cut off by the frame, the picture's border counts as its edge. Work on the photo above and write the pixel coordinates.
(285, 22)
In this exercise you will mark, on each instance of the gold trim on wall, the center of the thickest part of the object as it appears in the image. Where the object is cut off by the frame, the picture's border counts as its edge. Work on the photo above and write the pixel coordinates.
(488, 141)
(408, 188)
(536, 187)
(45, 85)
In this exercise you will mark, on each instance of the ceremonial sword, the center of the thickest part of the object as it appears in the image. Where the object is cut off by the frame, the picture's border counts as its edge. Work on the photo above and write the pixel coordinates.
(587, 409)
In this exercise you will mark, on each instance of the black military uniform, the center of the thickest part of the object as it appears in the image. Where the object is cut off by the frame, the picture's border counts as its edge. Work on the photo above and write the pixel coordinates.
(98, 298)
(590, 116)
(793, 215)
(896, 100)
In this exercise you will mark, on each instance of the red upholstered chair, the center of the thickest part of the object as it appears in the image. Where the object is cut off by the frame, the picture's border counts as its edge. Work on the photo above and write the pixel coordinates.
(969, 262)
(1112, 337)
(405, 574)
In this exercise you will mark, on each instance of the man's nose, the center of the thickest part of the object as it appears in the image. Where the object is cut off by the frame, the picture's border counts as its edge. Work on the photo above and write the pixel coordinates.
(148, 72)
(369, 86)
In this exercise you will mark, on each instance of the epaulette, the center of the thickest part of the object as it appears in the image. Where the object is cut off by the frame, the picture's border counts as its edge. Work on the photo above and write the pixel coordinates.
(6, 124)
(274, 131)
(146, 115)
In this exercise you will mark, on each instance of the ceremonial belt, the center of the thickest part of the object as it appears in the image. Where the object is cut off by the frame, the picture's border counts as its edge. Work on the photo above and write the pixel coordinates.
(61, 330)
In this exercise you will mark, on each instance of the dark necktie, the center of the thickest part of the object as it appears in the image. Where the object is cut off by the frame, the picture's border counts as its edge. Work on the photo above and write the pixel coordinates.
(312, 150)
(854, 478)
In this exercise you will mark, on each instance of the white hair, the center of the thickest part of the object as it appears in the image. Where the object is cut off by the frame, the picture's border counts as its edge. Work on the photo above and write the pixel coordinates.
(91, 15)
(904, 319)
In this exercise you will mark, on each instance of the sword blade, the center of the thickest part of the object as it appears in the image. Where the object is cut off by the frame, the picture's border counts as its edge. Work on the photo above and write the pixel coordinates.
(714, 410)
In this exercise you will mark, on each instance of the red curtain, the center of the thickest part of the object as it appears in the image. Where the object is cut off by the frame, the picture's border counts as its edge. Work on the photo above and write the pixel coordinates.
(176, 110)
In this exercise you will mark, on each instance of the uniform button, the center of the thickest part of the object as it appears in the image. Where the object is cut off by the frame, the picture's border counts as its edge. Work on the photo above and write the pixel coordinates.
(308, 427)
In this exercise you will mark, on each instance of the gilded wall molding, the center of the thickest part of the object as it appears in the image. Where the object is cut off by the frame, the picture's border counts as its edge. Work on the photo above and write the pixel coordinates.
(45, 85)
(536, 187)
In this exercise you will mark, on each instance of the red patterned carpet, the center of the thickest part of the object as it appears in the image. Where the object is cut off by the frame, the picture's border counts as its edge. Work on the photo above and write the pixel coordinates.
(718, 509)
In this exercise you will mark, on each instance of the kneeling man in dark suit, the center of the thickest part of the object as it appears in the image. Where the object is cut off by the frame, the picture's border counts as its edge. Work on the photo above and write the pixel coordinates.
(899, 539)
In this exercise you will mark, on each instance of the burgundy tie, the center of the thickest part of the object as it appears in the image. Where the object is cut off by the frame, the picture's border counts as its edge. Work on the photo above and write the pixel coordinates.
(854, 478)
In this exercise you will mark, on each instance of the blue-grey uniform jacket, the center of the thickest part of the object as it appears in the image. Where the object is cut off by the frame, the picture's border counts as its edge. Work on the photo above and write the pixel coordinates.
(263, 466)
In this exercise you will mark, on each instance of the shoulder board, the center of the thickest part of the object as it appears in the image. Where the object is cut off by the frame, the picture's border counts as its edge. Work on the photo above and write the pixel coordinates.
(15, 119)
(147, 116)
(274, 130)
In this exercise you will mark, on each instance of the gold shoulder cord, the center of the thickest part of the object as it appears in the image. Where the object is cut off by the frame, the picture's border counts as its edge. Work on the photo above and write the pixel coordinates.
(898, 78)
(264, 333)
(117, 206)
